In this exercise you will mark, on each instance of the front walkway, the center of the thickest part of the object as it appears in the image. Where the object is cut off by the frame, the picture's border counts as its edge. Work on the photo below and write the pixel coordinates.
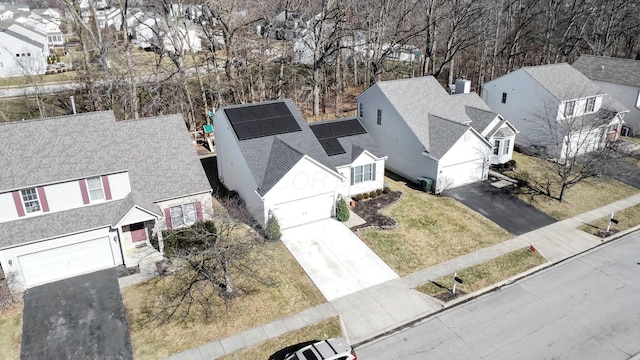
(385, 307)
(335, 259)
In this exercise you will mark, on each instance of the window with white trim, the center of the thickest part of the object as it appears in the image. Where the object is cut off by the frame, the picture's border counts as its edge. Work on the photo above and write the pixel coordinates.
(30, 200)
(185, 214)
(94, 188)
(504, 98)
(569, 108)
(638, 100)
(379, 120)
(363, 173)
(590, 105)
(496, 147)
(505, 146)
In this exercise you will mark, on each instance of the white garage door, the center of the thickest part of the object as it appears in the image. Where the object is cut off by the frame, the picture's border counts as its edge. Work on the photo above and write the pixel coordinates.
(66, 261)
(461, 174)
(303, 211)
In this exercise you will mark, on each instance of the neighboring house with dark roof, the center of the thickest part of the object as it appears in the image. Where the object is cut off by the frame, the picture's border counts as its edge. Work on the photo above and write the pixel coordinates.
(556, 108)
(20, 54)
(620, 78)
(426, 132)
(282, 166)
(83, 193)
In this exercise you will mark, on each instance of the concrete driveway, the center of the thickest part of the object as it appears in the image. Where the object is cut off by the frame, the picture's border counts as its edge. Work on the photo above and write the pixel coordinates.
(499, 206)
(77, 318)
(335, 259)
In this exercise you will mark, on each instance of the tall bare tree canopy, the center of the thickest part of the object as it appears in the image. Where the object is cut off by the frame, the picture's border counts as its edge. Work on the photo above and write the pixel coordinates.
(321, 53)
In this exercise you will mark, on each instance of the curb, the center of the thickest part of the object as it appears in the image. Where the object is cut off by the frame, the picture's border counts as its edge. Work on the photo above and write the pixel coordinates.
(493, 288)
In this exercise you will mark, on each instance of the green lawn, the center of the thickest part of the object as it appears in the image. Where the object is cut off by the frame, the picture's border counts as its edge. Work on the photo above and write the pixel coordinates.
(431, 229)
(287, 290)
(587, 195)
(490, 272)
(324, 330)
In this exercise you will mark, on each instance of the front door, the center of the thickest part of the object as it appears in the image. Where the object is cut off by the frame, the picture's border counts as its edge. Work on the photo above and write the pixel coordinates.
(138, 232)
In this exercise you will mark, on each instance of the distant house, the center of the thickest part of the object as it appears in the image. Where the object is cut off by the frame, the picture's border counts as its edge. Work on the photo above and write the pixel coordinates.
(620, 78)
(282, 166)
(427, 133)
(89, 193)
(21, 55)
(556, 108)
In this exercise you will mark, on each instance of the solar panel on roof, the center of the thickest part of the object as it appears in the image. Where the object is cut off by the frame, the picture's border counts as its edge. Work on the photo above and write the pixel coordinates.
(328, 134)
(332, 147)
(255, 121)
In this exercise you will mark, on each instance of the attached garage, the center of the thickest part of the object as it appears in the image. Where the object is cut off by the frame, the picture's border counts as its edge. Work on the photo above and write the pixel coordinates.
(461, 174)
(66, 261)
(298, 212)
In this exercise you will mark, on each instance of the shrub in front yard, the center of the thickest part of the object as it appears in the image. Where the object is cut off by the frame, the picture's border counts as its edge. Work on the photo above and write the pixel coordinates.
(342, 210)
(273, 228)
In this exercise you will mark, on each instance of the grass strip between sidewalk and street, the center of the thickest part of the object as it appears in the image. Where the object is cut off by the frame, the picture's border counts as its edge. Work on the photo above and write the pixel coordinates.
(10, 332)
(323, 330)
(487, 273)
(627, 219)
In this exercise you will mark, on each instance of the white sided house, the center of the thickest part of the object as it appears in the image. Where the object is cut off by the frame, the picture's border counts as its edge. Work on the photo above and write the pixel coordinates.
(556, 108)
(90, 193)
(282, 166)
(620, 78)
(21, 55)
(425, 132)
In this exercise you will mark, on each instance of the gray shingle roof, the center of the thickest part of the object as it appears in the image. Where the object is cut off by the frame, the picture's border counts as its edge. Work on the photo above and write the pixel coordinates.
(426, 107)
(481, 119)
(563, 81)
(23, 38)
(443, 134)
(283, 151)
(157, 153)
(613, 70)
(471, 99)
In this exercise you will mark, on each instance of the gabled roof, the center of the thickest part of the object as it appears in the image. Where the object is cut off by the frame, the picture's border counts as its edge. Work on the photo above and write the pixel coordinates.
(426, 107)
(563, 81)
(471, 99)
(157, 153)
(613, 70)
(284, 150)
(22, 38)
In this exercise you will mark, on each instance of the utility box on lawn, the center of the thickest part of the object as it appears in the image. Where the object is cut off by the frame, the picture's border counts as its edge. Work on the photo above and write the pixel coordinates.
(425, 184)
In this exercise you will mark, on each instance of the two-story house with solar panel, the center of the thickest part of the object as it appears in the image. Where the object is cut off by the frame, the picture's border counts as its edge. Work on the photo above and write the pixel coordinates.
(282, 166)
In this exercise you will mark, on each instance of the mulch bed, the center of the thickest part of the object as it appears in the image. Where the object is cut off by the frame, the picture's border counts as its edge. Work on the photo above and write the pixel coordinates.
(368, 209)
(448, 296)
(122, 271)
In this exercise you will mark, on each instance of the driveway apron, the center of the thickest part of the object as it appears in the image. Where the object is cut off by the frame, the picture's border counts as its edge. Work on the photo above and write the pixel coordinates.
(77, 318)
(499, 206)
(335, 259)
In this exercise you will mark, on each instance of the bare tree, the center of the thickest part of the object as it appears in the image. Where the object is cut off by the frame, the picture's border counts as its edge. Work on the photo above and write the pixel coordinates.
(205, 259)
(578, 146)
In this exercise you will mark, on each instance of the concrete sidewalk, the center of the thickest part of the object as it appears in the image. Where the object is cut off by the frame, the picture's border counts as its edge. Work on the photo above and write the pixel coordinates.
(380, 309)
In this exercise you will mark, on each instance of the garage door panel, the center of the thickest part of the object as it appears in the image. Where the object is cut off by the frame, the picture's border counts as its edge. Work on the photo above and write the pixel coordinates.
(463, 173)
(66, 261)
(303, 211)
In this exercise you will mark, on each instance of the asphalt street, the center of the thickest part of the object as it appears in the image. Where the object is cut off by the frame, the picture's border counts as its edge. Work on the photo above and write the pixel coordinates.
(77, 318)
(585, 308)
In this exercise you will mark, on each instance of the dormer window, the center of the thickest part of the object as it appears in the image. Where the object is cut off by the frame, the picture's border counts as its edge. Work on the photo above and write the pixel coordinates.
(590, 105)
(94, 188)
(30, 200)
(569, 108)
